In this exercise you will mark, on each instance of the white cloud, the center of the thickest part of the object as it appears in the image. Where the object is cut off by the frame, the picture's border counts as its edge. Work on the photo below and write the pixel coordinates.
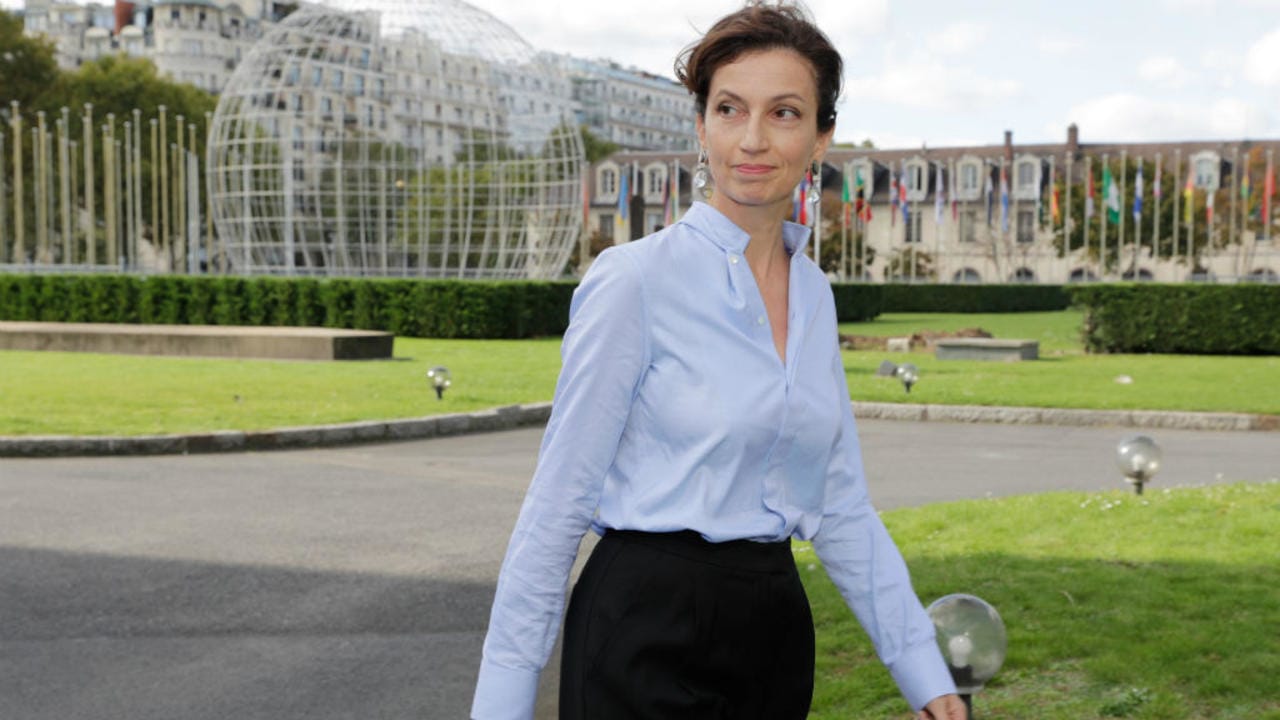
(1164, 71)
(1124, 117)
(1262, 64)
(958, 38)
(932, 85)
(1058, 45)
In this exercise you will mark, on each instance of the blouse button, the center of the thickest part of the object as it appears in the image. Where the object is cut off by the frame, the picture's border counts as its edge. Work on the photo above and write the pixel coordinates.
(760, 320)
(733, 259)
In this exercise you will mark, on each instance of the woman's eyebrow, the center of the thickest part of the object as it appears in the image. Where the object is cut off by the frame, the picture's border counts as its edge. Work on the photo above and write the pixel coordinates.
(777, 98)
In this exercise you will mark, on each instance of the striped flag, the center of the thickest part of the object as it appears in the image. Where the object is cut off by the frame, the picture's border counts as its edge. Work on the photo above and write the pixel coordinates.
(1088, 198)
(1004, 201)
(1268, 189)
(1055, 209)
(846, 199)
(624, 199)
(1188, 194)
(893, 199)
(1110, 195)
(1137, 193)
(902, 196)
(938, 192)
(986, 188)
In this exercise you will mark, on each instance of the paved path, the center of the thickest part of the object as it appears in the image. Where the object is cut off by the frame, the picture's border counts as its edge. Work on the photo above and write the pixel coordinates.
(355, 582)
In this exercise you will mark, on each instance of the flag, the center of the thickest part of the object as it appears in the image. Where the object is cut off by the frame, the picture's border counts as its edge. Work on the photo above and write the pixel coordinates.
(1004, 201)
(938, 192)
(1110, 195)
(1055, 209)
(624, 198)
(858, 191)
(864, 197)
(1268, 189)
(668, 205)
(893, 199)
(986, 188)
(1137, 193)
(1188, 194)
(846, 200)
(1088, 198)
(902, 197)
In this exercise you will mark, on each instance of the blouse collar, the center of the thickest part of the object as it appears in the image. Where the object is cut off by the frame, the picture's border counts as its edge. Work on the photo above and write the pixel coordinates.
(719, 229)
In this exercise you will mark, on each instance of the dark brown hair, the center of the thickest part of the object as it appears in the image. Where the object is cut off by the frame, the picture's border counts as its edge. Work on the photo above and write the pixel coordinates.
(760, 26)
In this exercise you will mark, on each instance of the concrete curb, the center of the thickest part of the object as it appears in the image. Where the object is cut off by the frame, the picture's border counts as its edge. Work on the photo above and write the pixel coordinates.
(514, 416)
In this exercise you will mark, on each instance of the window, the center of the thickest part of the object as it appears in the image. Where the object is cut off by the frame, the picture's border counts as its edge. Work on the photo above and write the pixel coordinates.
(968, 225)
(358, 81)
(913, 228)
(969, 186)
(1026, 179)
(1206, 173)
(605, 226)
(966, 275)
(655, 178)
(607, 183)
(1026, 226)
(916, 182)
(337, 79)
(1024, 275)
(652, 222)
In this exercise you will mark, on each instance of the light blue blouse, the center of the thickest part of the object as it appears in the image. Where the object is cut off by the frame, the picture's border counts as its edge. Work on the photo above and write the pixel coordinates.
(673, 411)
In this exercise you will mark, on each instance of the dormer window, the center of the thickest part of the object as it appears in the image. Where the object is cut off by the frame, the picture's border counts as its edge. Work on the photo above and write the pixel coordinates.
(968, 185)
(655, 180)
(917, 178)
(1026, 178)
(1208, 170)
(861, 170)
(607, 182)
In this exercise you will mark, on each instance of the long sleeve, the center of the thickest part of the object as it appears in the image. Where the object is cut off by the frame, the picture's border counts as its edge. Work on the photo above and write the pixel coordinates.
(605, 352)
(864, 563)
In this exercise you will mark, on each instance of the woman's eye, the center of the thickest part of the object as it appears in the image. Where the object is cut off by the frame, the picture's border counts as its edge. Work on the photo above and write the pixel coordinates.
(727, 110)
(788, 113)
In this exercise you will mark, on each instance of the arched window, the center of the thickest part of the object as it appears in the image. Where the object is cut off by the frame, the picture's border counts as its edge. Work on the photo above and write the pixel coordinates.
(1083, 275)
(1263, 275)
(1026, 177)
(968, 185)
(655, 181)
(1023, 275)
(966, 275)
(1208, 170)
(1142, 275)
(917, 178)
(607, 182)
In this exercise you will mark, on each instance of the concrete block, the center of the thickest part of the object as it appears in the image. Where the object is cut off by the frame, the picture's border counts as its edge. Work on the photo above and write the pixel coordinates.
(986, 349)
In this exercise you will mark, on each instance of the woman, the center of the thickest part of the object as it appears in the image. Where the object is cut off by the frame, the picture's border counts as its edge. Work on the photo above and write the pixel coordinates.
(701, 420)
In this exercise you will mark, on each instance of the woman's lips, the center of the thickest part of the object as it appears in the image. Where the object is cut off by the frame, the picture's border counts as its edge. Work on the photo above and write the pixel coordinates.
(753, 169)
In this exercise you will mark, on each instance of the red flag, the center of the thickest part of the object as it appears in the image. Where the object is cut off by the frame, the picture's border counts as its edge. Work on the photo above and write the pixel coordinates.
(893, 200)
(1268, 189)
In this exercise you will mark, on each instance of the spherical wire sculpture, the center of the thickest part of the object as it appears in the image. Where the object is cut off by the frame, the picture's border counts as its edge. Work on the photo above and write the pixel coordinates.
(376, 137)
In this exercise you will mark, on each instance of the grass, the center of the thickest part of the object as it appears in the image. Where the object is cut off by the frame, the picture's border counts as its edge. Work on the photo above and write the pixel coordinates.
(86, 394)
(1163, 607)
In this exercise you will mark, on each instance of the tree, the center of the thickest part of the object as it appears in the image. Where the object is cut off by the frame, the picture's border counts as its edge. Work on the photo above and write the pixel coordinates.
(595, 148)
(27, 65)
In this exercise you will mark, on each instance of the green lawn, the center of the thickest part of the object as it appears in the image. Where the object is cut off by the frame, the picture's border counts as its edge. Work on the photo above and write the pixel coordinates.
(1163, 606)
(85, 394)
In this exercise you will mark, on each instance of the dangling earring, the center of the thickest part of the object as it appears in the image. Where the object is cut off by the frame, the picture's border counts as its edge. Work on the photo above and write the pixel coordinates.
(814, 193)
(702, 176)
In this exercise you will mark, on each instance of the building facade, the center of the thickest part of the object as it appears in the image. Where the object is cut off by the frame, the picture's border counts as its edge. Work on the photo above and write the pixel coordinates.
(1007, 212)
(633, 109)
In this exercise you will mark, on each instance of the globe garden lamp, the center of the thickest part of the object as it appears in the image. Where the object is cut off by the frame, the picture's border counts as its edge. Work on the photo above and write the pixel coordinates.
(1138, 458)
(440, 380)
(908, 374)
(971, 636)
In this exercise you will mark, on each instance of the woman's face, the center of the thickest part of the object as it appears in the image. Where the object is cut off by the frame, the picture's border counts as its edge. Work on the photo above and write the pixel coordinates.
(760, 130)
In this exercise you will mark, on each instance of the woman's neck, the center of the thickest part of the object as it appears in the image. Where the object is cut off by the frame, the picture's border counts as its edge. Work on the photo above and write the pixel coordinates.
(764, 226)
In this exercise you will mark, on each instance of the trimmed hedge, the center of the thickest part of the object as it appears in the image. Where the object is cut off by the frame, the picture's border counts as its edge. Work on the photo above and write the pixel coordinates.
(974, 298)
(410, 308)
(858, 302)
(1180, 319)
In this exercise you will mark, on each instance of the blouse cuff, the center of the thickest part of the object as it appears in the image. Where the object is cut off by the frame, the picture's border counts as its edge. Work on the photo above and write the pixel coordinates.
(503, 693)
(922, 674)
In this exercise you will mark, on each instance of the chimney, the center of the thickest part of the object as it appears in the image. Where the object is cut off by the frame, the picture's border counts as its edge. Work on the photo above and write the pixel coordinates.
(1008, 147)
(1073, 140)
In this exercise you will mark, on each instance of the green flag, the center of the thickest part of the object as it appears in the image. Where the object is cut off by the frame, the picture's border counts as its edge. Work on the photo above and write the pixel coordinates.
(1111, 196)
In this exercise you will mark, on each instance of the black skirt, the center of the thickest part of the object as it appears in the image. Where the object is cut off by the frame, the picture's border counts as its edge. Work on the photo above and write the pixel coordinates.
(668, 626)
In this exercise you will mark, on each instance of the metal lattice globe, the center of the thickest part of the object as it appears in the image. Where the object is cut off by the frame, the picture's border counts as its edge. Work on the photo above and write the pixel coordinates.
(379, 137)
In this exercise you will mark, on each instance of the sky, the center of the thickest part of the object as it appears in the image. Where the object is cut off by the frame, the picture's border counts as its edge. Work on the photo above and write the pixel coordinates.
(961, 72)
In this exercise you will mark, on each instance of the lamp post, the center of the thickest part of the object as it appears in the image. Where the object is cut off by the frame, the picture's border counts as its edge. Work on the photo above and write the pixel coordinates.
(1138, 458)
(971, 636)
(908, 374)
(440, 380)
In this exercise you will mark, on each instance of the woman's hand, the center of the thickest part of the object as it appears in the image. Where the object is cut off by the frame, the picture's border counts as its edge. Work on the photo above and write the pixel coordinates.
(946, 707)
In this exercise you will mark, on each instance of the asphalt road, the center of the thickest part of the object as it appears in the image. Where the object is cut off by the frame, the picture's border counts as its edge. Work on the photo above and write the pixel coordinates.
(355, 582)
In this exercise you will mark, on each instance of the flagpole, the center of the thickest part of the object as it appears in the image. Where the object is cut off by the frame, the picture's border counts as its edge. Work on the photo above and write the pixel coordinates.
(1157, 195)
(1231, 208)
(1177, 202)
(1268, 188)
(1124, 167)
(1066, 215)
(1102, 224)
(1137, 218)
